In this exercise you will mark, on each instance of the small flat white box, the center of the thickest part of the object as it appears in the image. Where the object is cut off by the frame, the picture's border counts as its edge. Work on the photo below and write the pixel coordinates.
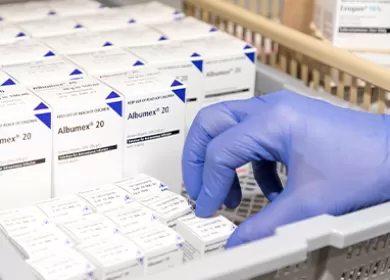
(355, 24)
(64, 265)
(6, 80)
(65, 208)
(186, 28)
(107, 198)
(41, 242)
(141, 186)
(24, 51)
(22, 220)
(152, 12)
(168, 207)
(31, 10)
(118, 258)
(91, 228)
(204, 237)
(68, 8)
(77, 42)
(106, 61)
(182, 62)
(154, 113)
(229, 67)
(136, 35)
(161, 245)
(44, 71)
(25, 147)
(109, 20)
(88, 134)
(132, 218)
(10, 33)
(51, 27)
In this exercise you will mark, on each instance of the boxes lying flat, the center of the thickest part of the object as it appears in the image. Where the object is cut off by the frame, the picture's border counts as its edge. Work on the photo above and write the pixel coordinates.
(6, 80)
(25, 147)
(67, 8)
(51, 27)
(154, 123)
(10, 33)
(110, 20)
(31, 10)
(141, 186)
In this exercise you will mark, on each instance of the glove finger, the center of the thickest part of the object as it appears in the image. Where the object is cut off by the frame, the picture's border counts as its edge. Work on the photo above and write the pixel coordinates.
(208, 124)
(286, 208)
(230, 150)
(234, 196)
(267, 178)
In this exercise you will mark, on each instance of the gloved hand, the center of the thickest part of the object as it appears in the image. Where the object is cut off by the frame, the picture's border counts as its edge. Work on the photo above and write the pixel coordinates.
(337, 159)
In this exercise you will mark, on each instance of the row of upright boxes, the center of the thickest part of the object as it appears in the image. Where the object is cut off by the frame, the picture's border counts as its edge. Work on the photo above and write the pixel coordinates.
(125, 230)
(110, 97)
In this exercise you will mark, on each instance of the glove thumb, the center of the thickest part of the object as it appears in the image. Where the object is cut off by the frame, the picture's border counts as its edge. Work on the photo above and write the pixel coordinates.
(287, 208)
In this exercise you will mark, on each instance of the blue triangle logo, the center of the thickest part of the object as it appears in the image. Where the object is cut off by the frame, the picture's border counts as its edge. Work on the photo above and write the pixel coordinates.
(52, 13)
(45, 119)
(251, 56)
(132, 21)
(41, 106)
(102, 6)
(50, 53)
(163, 38)
(112, 95)
(213, 29)
(8, 82)
(20, 34)
(177, 12)
(138, 63)
(107, 44)
(195, 55)
(176, 83)
(78, 26)
(181, 93)
(76, 72)
(198, 64)
(117, 107)
(1, 19)
(248, 47)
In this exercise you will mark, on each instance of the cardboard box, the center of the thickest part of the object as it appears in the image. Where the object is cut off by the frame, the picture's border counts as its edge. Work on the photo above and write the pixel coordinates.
(142, 186)
(66, 264)
(68, 8)
(77, 42)
(162, 247)
(152, 12)
(107, 198)
(118, 259)
(65, 208)
(185, 29)
(30, 10)
(41, 242)
(229, 67)
(182, 62)
(355, 24)
(24, 51)
(88, 134)
(106, 61)
(25, 147)
(154, 123)
(44, 71)
(51, 27)
(204, 237)
(91, 228)
(136, 35)
(25, 219)
(168, 207)
(10, 33)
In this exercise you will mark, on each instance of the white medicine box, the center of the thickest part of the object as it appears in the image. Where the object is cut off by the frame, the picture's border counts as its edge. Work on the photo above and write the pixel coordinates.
(204, 237)
(51, 27)
(88, 134)
(106, 61)
(25, 147)
(154, 114)
(186, 28)
(152, 12)
(118, 258)
(229, 67)
(69, 8)
(44, 71)
(355, 24)
(111, 19)
(10, 33)
(30, 10)
(182, 62)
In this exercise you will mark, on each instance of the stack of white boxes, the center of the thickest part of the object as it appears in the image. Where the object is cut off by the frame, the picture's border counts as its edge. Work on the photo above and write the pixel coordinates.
(92, 95)
(127, 229)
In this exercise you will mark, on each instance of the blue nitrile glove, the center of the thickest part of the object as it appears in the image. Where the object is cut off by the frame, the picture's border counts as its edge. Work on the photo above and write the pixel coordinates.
(338, 159)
